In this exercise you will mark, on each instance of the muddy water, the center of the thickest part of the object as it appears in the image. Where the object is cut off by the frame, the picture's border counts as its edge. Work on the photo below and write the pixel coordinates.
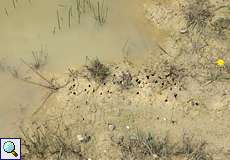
(28, 25)
(32, 25)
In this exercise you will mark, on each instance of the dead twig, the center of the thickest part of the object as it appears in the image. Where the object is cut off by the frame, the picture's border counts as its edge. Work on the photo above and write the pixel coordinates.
(50, 82)
(51, 85)
(43, 103)
(162, 49)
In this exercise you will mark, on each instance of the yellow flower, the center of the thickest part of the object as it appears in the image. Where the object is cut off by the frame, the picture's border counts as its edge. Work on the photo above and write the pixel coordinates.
(220, 62)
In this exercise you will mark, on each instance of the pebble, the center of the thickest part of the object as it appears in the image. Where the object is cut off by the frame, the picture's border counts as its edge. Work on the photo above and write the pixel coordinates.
(80, 138)
(155, 156)
(112, 127)
(183, 30)
(83, 138)
(133, 137)
(117, 139)
(194, 103)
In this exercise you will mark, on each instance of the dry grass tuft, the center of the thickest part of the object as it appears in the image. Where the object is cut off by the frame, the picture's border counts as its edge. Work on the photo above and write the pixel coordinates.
(198, 13)
(42, 142)
(125, 80)
(168, 74)
(221, 25)
(146, 146)
(98, 71)
(193, 151)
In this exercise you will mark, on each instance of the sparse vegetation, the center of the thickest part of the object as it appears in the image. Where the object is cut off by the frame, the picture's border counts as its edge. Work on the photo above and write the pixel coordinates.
(146, 146)
(142, 146)
(42, 142)
(194, 151)
(78, 9)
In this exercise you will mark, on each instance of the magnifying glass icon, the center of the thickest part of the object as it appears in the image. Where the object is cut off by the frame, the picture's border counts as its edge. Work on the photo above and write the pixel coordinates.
(9, 147)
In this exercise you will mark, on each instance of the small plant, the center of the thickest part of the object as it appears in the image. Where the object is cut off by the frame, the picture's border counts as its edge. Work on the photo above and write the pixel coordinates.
(79, 9)
(125, 80)
(220, 62)
(39, 59)
(170, 74)
(197, 14)
(218, 70)
(98, 71)
(174, 72)
(100, 12)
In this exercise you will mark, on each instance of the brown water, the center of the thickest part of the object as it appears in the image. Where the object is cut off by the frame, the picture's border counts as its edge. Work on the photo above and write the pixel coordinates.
(32, 24)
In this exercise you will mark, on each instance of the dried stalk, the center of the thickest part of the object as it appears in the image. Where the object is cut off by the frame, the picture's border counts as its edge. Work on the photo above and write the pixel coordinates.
(51, 85)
